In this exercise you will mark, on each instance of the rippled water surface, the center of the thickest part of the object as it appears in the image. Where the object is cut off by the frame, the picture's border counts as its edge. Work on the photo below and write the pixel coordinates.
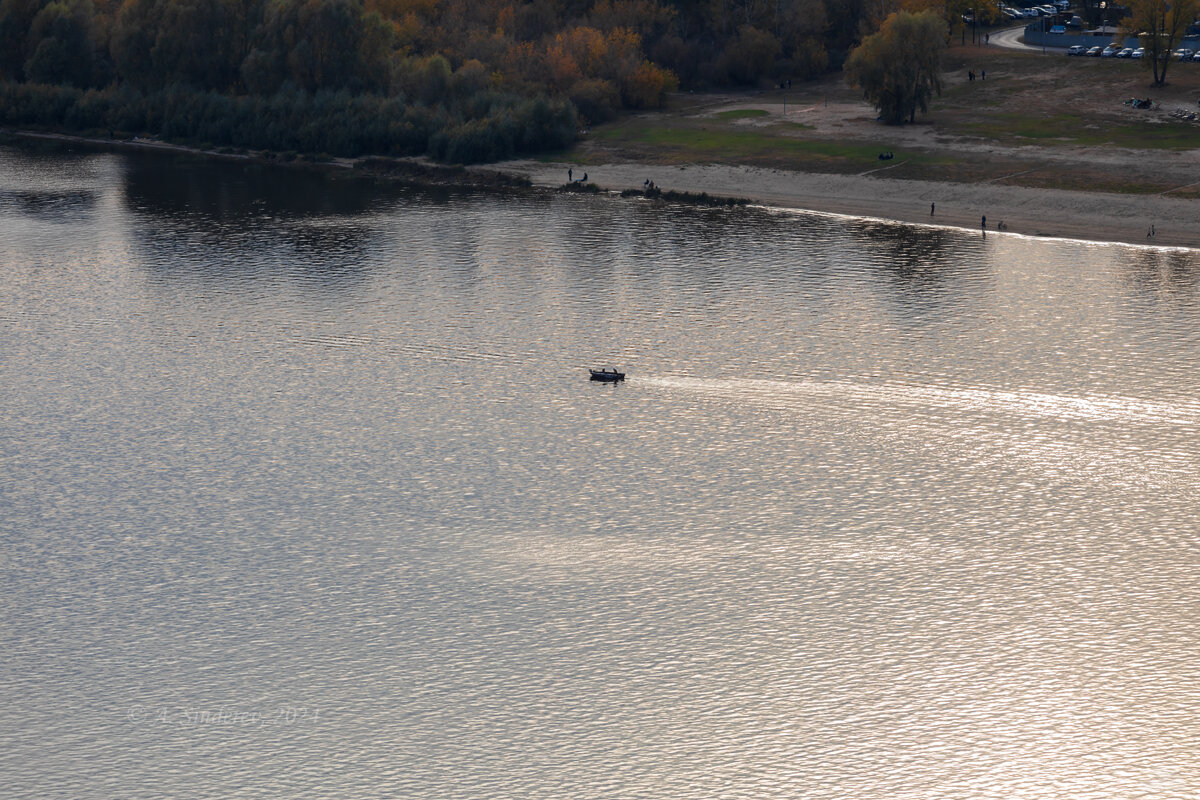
(304, 493)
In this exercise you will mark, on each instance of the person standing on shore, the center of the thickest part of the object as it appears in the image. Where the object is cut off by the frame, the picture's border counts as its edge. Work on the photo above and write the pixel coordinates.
(983, 222)
(931, 207)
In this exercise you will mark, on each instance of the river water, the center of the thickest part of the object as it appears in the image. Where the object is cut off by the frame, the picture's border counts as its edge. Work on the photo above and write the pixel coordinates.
(304, 493)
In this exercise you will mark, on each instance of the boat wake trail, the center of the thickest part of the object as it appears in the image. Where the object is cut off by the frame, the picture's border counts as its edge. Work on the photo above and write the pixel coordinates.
(812, 394)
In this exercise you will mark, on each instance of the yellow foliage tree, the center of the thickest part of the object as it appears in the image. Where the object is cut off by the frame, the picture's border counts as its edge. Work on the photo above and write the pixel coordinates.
(647, 86)
(1158, 26)
(899, 68)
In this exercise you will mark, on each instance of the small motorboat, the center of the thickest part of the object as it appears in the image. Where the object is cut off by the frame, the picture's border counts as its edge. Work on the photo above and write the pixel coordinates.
(609, 375)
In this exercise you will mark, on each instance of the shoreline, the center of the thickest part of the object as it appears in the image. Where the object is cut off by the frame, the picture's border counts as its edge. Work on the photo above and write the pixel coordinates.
(1097, 217)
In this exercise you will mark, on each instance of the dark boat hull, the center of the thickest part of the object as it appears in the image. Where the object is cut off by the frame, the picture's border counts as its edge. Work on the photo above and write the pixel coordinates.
(606, 377)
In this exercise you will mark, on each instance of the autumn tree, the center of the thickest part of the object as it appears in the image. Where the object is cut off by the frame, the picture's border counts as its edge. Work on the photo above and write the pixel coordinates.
(1158, 26)
(899, 68)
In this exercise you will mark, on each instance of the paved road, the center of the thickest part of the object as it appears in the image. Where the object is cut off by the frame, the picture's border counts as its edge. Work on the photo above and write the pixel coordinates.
(1011, 39)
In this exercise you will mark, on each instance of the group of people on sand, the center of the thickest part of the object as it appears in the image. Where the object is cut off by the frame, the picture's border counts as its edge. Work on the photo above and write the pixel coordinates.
(982, 75)
(648, 185)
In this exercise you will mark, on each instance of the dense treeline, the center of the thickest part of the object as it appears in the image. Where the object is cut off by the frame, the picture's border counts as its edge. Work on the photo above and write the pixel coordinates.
(461, 81)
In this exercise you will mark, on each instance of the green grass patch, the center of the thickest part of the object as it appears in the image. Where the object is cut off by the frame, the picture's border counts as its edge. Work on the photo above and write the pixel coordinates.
(717, 144)
(743, 113)
(1073, 129)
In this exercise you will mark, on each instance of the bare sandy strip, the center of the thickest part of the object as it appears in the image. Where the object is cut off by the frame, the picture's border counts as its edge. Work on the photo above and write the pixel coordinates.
(1091, 216)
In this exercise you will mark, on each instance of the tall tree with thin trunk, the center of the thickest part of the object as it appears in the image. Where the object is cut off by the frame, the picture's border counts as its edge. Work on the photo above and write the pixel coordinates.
(1158, 25)
(899, 68)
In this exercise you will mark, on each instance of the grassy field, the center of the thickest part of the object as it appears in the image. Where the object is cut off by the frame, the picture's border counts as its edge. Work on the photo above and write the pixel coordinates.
(1037, 120)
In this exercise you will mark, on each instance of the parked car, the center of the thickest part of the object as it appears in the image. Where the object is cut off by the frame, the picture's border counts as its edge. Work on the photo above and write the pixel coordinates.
(1184, 54)
(1110, 51)
(1196, 57)
(1126, 53)
(1076, 50)
(1095, 51)
(1138, 53)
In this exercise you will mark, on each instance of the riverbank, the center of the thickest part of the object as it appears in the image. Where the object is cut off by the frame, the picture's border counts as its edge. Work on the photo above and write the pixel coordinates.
(1092, 216)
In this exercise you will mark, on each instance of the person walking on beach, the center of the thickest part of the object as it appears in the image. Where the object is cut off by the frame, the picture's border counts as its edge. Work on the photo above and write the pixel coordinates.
(983, 74)
(570, 174)
(983, 222)
(931, 207)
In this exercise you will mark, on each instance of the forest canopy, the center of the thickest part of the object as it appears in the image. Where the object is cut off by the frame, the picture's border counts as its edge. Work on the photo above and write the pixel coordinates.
(460, 81)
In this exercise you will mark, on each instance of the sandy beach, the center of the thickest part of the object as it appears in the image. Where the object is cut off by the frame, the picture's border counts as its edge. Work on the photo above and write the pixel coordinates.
(1092, 216)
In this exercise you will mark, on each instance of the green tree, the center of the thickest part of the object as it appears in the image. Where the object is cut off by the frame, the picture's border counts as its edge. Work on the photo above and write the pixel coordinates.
(16, 16)
(193, 44)
(899, 68)
(60, 44)
(751, 56)
(133, 37)
(1158, 26)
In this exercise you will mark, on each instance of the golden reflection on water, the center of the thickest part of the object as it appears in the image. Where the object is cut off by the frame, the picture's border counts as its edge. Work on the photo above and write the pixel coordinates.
(881, 512)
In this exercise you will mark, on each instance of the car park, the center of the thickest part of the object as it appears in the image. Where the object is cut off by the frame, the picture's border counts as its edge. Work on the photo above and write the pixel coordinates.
(1076, 50)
